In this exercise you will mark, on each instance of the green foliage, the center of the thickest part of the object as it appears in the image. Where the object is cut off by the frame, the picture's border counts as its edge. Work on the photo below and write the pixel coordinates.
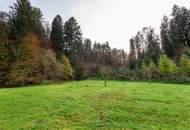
(53, 69)
(166, 66)
(175, 32)
(37, 20)
(24, 18)
(48, 64)
(153, 47)
(56, 36)
(144, 47)
(132, 55)
(87, 51)
(64, 69)
(73, 45)
(167, 44)
(73, 41)
(150, 71)
(84, 72)
(185, 65)
(20, 20)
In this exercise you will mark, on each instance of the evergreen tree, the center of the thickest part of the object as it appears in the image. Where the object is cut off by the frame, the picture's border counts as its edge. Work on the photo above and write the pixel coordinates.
(23, 18)
(132, 54)
(37, 20)
(87, 50)
(20, 20)
(56, 36)
(72, 41)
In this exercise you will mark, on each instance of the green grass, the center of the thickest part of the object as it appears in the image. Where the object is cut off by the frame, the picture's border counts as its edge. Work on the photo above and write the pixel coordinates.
(88, 105)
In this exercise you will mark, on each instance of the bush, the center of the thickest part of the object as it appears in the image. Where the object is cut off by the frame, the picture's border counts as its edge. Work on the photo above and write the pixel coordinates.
(64, 70)
(55, 70)
(184, 65)
(49, 64)
(179, 79)
(166, 66)
(150, 71)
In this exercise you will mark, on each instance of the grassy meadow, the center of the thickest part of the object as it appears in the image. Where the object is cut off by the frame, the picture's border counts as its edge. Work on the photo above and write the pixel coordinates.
(88, 105)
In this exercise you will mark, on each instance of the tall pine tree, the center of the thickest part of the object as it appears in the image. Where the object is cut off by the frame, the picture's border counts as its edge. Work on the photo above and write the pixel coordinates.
(20, 20)
(72, 41)
(56, 36)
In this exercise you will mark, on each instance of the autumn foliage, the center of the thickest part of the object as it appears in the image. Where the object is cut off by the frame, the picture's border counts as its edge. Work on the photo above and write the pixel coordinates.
(26, 69)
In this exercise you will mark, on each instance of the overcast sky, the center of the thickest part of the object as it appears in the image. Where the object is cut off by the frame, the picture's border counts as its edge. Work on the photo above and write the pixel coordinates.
(115, 21)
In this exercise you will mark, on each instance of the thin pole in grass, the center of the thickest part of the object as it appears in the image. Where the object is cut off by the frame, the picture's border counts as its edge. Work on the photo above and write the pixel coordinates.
(104, 75)
(151, 67)
(149, 75)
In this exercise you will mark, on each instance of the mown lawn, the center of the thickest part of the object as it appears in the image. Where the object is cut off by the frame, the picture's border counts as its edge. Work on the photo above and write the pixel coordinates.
(88, 105)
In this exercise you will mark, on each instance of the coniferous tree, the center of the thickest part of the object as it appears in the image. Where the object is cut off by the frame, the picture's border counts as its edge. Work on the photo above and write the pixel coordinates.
(37, 20)
(56, 36)
(87, 50)
(72, 41)
(20, 20)
(24, 18)
(132, 54)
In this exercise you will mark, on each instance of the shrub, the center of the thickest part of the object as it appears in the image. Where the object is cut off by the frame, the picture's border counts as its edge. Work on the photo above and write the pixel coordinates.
(184, 65)
(49, 64)
(166, 66)
(64, 69)
(55, 70)
(150, 71)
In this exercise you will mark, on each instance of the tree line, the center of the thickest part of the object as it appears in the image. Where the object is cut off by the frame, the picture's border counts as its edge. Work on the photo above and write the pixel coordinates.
(165, 56)
(33, 52)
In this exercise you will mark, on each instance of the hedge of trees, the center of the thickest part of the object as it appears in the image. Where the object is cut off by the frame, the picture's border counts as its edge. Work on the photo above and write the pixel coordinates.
(32, 51)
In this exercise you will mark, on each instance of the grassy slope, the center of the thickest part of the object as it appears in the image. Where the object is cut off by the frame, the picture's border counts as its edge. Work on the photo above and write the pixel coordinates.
(90, 105)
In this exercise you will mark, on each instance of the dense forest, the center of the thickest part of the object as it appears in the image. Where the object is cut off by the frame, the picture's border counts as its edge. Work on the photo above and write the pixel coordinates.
(33, 52)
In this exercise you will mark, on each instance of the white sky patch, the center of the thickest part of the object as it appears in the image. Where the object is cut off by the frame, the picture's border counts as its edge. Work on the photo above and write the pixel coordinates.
(115, 21)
